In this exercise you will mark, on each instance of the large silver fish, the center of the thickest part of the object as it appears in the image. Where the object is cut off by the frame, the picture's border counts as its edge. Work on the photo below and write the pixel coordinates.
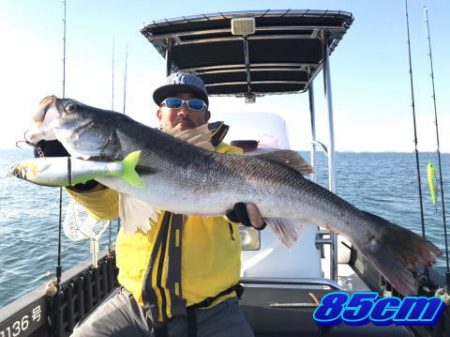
(185, 179)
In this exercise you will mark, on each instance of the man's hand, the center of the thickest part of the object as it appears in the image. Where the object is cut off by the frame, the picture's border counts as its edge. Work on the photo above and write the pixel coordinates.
(246, 214)
(50, 148)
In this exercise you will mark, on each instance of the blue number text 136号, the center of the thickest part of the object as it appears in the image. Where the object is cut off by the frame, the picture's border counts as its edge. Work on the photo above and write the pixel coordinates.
(361, 308)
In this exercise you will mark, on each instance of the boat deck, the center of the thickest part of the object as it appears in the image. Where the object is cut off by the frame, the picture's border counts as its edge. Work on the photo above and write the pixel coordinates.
(286, 310)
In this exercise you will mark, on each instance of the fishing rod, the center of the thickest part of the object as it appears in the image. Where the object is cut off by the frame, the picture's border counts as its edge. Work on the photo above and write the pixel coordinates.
(112, 74)
(125, 80)
(413, 106)
(441, 183)
(112, 108)
(64, 50)
(59, 264)
(125, 72)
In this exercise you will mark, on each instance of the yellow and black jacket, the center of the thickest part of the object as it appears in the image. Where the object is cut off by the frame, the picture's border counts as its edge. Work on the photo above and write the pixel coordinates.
(181, 261)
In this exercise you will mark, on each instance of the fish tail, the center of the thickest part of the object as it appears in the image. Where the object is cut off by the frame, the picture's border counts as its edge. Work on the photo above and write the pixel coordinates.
(129, 169)
(396, 251)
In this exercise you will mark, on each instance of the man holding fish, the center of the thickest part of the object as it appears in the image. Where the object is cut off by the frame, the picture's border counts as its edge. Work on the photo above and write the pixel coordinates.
(154, 171)
(180, 276)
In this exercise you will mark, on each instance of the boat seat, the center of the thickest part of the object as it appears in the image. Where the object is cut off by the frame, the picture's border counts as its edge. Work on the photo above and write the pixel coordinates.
(273, 259)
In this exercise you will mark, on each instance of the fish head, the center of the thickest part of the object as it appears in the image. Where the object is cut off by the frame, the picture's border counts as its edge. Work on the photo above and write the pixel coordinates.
(86, 132)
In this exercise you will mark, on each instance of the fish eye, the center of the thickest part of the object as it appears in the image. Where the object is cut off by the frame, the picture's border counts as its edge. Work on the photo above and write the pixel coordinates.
(71, 107)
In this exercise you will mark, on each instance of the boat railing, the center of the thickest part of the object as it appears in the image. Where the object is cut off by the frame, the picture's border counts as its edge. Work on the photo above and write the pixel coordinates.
(300, 282)
(81, 289)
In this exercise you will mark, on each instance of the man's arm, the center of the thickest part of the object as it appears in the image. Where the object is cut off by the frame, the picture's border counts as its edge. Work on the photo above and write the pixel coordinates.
(100, 202)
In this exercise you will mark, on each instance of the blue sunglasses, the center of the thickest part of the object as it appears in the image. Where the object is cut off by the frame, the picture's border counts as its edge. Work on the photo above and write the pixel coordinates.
(176, 103)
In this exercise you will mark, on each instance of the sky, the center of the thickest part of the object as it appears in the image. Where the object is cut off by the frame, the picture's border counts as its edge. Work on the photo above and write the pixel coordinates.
(369, 68)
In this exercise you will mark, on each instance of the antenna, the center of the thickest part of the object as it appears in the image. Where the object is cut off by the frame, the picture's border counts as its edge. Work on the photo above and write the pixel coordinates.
(427, 24)
(414, 122)
(125, 81)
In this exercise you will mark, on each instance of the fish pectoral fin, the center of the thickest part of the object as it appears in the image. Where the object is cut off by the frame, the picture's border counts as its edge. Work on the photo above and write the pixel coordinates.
(135, 214)
(286, 229)
(288, 158)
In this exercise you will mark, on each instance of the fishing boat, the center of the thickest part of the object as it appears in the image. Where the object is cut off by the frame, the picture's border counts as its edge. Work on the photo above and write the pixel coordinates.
(248, 55)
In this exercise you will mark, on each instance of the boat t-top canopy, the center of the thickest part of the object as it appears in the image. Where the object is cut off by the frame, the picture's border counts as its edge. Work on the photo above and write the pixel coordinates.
(250, 53)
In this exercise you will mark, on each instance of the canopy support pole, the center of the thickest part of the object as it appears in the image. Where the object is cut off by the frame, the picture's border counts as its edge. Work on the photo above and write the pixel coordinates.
(312, 112)
(169, 57)
(331, 168)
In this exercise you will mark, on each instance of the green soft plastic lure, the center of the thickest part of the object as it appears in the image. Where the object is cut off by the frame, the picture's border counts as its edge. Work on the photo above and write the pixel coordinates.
(432, 182)
(69, 171)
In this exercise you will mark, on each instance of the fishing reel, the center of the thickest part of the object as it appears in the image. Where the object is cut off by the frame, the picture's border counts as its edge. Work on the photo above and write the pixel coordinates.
(427, 287)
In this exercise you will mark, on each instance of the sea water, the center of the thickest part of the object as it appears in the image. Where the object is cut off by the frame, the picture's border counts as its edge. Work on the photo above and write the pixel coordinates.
(29, 226)
(382, 183)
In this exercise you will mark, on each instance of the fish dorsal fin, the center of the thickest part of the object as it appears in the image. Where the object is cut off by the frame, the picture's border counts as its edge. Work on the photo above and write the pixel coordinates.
(200, 136)
(288, 158)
